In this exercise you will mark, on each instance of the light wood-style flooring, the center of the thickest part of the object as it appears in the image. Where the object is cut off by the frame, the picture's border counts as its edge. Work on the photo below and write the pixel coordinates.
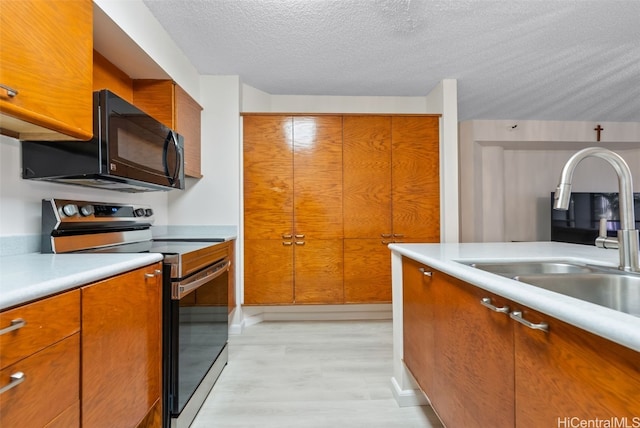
(316, 374)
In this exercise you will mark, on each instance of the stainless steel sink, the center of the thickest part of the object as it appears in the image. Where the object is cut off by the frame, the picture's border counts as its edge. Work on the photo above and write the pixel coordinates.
(511, 269)
(619, 291)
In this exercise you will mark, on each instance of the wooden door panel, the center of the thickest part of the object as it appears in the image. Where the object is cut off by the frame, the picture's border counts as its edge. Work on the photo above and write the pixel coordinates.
(51, 69)
(569, 372)
(121, 349)
(474, 357)
(418, 324)
(367, 271)
(319, 271)
(318, 176)
(268, 272)
(367, 176)
(268, 176)
(416, 177)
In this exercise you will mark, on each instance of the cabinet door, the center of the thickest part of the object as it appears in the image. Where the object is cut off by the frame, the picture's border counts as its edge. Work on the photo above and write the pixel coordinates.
(50, 69)
(268, 177)
(50, 386)
(318, 177)
(188, 123)
(474, 380)
(569, 373)
(367, 271)
(415, 178)
(367, 176)
(319, 271)
(419, 323)
(268, 271)
(121, 348)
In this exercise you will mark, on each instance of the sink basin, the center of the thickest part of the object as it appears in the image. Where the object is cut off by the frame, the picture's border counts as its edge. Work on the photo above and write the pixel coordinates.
(511, 269)
(619, 291)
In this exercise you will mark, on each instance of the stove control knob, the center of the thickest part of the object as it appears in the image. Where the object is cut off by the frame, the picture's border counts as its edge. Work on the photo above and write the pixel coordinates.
(86, 210)
(139, 212)
(70, 210)
(148, 212)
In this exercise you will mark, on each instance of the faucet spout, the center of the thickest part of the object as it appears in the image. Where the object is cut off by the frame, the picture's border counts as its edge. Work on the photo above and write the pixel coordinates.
(627, 235)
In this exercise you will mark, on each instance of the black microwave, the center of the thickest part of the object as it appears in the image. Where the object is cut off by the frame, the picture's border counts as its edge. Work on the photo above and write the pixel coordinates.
(130, 152)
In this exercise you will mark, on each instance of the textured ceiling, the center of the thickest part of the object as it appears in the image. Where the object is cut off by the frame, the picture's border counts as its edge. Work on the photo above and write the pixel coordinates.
(513, 59)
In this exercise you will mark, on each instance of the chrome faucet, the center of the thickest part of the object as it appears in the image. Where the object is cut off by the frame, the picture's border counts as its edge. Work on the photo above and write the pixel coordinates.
(627, 235)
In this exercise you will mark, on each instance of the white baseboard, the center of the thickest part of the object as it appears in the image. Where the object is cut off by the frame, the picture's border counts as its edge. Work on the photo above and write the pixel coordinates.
(255, 314)
(408, 397)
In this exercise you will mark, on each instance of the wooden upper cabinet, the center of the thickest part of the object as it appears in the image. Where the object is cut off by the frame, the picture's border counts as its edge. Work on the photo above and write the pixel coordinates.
(107, 76)
(268, 176)
(171, 105)
(367, 176)
(416, 178)
(46, 58)
(317, 142)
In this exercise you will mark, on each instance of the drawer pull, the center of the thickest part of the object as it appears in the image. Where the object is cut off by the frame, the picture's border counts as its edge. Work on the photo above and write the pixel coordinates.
(287, 236)
(299, 242)
(15, 324)
(287, 243)
(300, 236)
(10, 91)
(426, 272)
(16, 379)
(386, 235)
(486, 302)
(517, 315)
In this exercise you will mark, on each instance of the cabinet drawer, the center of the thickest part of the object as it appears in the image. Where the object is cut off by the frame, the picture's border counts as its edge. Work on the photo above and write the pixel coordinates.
(47, 321)
(51, 385)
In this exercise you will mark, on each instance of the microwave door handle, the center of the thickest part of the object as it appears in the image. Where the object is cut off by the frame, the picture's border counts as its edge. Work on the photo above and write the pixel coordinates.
(171, 136)
(178, 157)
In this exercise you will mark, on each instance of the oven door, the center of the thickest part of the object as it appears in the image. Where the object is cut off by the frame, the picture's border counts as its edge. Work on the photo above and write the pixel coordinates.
(197, 337)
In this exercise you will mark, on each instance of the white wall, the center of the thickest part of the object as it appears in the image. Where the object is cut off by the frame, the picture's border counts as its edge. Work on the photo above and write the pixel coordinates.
(214, 199)
(507, 172)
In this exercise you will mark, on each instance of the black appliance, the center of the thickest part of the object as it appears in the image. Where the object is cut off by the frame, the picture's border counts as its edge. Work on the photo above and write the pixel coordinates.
(130, 152)
(580, 224)
(195, 291)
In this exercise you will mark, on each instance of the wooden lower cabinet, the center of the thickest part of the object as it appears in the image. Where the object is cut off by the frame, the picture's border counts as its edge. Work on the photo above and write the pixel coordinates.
(318, 271)
(268, 268)
(481, 368)
(474, 376)
(570, 373)
(418, 323)
(121, 348)
(50, 386)
(46, 350)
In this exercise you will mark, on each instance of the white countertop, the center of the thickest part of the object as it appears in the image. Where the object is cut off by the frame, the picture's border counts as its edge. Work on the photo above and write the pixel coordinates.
(616, 326)
(32, 276)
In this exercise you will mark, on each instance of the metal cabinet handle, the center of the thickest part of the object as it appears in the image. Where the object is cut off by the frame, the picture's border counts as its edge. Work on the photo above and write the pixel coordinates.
(287, 243)
(299, 236)
(15, 325)
(426, 272)
(398, 235)
(16, 379)
(299, 242)
(517, 315)
(156, 272)
(10, 91)
(386, 242)
(486, 302)
(287, 236)
(386, 235)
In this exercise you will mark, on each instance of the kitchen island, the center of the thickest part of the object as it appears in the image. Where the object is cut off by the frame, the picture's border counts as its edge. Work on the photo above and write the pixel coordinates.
(460, 352)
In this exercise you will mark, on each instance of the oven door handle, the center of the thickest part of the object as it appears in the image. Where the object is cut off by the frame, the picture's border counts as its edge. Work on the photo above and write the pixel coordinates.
(180, 289)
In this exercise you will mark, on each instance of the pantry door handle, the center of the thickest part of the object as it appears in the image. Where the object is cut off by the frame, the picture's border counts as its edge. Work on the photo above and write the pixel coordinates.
(517, 315)
(287, 243)
(16, 379)
(15, 325)
(300, 236)
(486, 302)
